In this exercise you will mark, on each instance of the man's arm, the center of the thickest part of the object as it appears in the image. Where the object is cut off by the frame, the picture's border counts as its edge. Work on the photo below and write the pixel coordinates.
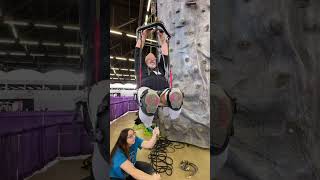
(149, 144)
(164, 44)
(142, 39)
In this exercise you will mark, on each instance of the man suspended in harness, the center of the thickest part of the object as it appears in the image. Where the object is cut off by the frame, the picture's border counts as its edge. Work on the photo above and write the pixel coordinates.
(153, 86)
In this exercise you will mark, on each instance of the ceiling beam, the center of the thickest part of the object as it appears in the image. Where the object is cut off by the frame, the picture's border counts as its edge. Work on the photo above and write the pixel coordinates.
(140, 13)
(126, 23)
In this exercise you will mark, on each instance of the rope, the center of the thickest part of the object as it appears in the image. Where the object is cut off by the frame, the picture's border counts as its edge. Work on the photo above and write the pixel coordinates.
(160, 161)
(188, 166)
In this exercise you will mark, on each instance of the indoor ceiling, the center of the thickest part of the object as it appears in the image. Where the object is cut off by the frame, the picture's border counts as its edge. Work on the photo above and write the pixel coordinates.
(44, 35)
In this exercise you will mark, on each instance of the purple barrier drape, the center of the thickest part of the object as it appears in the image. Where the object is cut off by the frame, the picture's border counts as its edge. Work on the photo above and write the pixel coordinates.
(29, 140)
(121, 105)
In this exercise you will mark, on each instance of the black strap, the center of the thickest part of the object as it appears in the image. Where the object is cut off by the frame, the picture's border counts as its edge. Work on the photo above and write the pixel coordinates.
(218, 150)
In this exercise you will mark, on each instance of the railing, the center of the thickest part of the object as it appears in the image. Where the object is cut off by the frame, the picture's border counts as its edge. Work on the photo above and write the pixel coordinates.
(121, 105)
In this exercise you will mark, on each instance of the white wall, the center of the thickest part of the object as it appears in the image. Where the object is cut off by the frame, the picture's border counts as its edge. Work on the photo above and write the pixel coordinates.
(53, 100)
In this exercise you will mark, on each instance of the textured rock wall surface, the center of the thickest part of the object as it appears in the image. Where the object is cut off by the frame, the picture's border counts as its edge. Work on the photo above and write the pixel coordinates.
(189, 55)
(266, 54)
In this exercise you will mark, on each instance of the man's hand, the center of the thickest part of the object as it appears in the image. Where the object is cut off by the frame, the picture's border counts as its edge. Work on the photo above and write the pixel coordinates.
(145, 33)
(156, 131)
(140, 42)
(162, 37)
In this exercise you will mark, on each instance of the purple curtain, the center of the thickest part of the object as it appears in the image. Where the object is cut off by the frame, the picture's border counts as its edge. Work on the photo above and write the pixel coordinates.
(121, 105)
(29, 140)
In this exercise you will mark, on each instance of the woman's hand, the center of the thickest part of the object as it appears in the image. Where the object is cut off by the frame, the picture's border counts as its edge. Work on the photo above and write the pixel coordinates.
(156, 131)
(156, 176)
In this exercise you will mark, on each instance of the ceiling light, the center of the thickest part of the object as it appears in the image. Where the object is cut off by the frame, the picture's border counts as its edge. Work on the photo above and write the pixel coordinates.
(17, 53)
(3, 53)
(73, 56)
(121, 58)
(21, 23)
(73, 45)
(57, 56)
(132, 36)
(50, 44)
(7, 41)
(115, 32)
(148, 7)
(71, 27)
(152, 40)
(131, 59)
(29, 42)
(46, 25)
(36, 54)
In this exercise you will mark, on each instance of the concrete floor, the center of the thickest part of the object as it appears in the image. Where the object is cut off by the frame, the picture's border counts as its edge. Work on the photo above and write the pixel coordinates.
(63, 170)
(196, 155)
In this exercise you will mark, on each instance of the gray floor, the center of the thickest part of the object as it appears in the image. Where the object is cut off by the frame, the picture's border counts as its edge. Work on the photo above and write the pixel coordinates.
(63, 170)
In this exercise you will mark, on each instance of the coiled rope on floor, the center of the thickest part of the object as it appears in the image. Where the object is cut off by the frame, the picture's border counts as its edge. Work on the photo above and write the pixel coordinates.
(160, 161)
(189, 166)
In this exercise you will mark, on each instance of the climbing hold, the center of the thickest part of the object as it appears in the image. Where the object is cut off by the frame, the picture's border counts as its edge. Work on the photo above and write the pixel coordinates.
(207, 69)
(182, 22)
(188, 33)
(177, 11)
(178, 41)
(186, 59)
(200, 129)
(206, 28)
(199, 44)
(195, 69)
(203, 10)
(198, 86)
(191, 3)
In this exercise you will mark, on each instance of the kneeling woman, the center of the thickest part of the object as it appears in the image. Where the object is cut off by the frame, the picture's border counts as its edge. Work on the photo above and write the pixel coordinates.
(124, 154)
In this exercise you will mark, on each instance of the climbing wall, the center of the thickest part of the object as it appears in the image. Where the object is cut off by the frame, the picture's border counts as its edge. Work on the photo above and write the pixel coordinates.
(266, 54)
(188, 22)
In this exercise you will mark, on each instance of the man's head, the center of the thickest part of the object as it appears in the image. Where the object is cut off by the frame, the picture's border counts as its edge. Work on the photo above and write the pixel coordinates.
(151, 61)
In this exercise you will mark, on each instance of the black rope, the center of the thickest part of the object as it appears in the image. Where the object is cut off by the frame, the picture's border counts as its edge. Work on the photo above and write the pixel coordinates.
(189, 166)
(160, 161)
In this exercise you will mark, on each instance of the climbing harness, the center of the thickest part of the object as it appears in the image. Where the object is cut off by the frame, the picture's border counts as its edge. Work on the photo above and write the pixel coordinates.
(189, 166)
(153, 23)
